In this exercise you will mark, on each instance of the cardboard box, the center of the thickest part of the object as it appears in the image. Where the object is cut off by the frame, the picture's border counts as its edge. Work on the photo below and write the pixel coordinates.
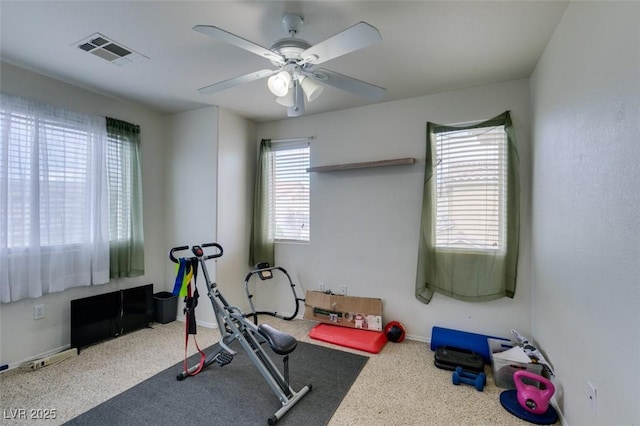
(504, 363)
(346, 311)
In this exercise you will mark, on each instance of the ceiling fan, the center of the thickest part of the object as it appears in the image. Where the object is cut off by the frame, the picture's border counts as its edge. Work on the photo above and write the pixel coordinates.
(296, 75)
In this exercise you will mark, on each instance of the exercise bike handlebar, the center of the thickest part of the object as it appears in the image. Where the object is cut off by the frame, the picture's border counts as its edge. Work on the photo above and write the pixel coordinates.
(211, 256)
(216, 245)
(197, 250)
(175, 249)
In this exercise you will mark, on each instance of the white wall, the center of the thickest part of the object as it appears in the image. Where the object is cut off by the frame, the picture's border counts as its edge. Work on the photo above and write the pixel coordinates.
(190, 184)
(22, 337)
(365, 223)
(236, 174)
(586, 204)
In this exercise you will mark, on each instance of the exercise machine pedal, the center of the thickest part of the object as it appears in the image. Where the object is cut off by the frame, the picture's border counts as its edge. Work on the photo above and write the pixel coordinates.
(224, 358)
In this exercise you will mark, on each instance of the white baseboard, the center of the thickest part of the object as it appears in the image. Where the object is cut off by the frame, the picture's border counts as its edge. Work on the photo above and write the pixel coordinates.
(418, 338)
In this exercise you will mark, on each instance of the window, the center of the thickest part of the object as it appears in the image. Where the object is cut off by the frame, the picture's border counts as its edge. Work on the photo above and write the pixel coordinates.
(289, 210)
(471, 188)
(470, 226)
(56, 153)
(70, 200)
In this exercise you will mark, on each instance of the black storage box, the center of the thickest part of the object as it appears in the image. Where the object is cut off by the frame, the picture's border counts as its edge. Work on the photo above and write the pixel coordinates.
(165, 307)
(448, 358)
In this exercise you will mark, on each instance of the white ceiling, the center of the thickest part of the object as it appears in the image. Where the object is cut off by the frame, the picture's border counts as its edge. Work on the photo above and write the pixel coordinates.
(427, 47)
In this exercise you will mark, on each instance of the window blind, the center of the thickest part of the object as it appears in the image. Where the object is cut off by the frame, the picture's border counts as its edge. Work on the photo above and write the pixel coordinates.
(290, 200)
(120, 188)
(471, 185)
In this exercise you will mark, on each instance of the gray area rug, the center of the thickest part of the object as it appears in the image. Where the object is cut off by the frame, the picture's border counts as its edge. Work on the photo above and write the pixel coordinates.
(234, 394)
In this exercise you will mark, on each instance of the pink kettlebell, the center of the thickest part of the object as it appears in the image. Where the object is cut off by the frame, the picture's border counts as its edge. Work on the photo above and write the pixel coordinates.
(531, 398)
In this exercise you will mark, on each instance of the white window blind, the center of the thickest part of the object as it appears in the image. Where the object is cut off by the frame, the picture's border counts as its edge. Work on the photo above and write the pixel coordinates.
(290, 191)
(120, 188)
(471, 189)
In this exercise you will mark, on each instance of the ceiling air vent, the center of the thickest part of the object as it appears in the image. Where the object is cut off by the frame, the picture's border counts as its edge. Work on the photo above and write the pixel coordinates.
(102, 47)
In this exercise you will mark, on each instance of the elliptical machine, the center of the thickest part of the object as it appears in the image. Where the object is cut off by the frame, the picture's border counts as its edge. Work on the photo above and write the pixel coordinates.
(233, 325)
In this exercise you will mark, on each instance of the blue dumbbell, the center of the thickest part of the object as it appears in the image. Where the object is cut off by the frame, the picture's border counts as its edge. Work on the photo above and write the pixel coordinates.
(474, 379)
(470, 374)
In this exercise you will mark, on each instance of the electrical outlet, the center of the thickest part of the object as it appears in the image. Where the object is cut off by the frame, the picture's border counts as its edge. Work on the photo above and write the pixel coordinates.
(321, 286)
(343, 290)
(593, 393)
(38, 312)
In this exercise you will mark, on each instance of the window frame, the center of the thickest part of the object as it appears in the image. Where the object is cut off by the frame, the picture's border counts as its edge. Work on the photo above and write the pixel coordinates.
(64, 127)
(455, 141)
(302, 177)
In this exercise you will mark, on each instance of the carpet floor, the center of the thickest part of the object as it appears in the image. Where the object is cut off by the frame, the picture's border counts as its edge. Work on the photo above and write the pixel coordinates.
(233, 394)
(398, 386)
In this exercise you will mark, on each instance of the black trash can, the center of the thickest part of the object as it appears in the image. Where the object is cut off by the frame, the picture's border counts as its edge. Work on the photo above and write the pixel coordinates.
(165, 307)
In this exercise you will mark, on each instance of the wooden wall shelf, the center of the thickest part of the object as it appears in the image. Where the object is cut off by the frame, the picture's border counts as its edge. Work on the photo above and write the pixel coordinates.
(363, 165)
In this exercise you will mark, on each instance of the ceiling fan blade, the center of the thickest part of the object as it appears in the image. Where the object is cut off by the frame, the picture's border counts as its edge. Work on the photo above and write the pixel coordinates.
(348, 84)
(238, 41)
(223, 85)
(353, 38)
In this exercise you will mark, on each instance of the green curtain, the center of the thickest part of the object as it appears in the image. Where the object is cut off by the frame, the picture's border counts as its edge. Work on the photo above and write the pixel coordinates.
(468, 276)
(126, 245)
(262, 246)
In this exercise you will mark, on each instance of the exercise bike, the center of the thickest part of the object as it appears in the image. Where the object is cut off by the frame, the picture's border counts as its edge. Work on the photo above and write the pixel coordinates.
(234, 326)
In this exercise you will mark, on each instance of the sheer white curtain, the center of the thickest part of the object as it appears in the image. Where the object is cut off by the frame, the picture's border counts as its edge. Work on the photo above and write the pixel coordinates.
(53, 199)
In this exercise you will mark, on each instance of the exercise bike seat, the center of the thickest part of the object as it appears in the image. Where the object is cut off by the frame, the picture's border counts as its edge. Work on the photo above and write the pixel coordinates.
(280, 342)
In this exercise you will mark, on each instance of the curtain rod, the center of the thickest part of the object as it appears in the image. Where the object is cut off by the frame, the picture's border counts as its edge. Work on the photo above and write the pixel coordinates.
(308, 138)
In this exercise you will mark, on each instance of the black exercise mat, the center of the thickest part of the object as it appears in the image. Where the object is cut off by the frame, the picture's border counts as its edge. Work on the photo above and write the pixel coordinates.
(234, 394)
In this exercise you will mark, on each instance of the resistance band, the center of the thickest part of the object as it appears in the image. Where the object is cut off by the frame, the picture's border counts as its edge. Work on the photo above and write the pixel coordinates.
(184, 273)
(188, 273)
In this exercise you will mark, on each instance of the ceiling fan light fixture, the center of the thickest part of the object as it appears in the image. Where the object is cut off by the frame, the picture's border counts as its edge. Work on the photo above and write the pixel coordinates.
(279, 83)
(286, 100)
(312, 90)
(294, 77)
